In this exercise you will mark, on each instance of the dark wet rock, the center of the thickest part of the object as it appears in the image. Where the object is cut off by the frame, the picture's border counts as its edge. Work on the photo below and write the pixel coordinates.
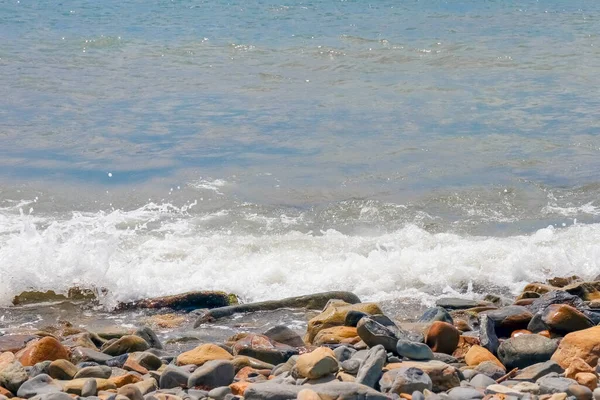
(212, 375)
(436, 314)
(525, 350)
(41, 384)
(481, 381)
(150, 337)
(452, 303)
(12, 376)
(537, 324)
(343, 353)
(283, 334)
(264, 349)
(353, 317)
(314, 301)
(125, 344)
(100, 371)
(405, 380)
(351, 366)
(465, 393)
(509, 319)
(584, 290)
(33, 297)
(373, 333)
(414, 350)
(185, 301)
(536, 371)
(556, 297)
(173, 377)
(487, 334)
(554, 384)
(339, 390)
(370, 369)
(118, 361)
(563, 318)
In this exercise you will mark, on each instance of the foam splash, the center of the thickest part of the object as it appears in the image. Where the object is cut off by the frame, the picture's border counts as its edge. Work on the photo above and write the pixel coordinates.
(162, 249)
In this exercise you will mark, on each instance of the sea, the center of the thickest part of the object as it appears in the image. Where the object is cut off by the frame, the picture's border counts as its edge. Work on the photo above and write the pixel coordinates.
(397, 149)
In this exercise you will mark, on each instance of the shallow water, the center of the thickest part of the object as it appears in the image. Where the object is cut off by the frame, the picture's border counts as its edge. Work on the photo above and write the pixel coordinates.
(267, 149)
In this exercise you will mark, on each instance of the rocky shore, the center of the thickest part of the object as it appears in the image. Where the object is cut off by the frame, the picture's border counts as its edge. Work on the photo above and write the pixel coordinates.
(544, 344)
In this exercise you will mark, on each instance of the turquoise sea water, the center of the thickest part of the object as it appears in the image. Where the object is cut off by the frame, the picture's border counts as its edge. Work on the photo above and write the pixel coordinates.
(302, 145)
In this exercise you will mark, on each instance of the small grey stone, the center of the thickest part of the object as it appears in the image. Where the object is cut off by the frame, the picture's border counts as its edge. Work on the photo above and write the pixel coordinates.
(537, 324)
(90, 388)
(212, 375)
(525, 350)
(413, 350)
(41, 384)
(416, 395)
(536, 371)
(219, 393)
(149, 336)
(283, 334)
(596, 394)
(374, 333)
(468, 374)
(436, 314)
(463, 393)
(53, 396)
(443, 357)
(580, 392)
(39, 368)
(491, 369)
(481, 381)
(370, 369)
(360, 355)
(550, 384)
(351, 366)
(172, 377)
(147, 360)
(405, 380)
(343, 353)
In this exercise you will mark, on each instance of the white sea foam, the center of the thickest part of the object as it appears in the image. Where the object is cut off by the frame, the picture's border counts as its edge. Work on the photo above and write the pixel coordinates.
(209, 184)
(162, 249)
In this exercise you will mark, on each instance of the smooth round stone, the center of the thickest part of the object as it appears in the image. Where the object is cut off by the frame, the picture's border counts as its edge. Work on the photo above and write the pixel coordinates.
(481, 381)
(525, 350)
(436, 314)
(464, 393)
(581, 392)
(41, 384)
(413, 350)
(405, 380)
(351, 366)
(219, 393)
(343, 353)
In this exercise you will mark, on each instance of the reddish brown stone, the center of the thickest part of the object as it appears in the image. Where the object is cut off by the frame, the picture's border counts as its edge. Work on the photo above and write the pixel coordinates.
(464, 344)
(133, 365)
(45, 349)
(564, 318)
(442, 337)
(238, 388)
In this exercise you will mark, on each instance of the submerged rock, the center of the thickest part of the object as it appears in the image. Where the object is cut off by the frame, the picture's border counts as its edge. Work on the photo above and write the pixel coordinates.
(185, 301)
(313, 301)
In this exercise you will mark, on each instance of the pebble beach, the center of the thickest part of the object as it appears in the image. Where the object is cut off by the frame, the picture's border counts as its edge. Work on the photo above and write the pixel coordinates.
(543, 344)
